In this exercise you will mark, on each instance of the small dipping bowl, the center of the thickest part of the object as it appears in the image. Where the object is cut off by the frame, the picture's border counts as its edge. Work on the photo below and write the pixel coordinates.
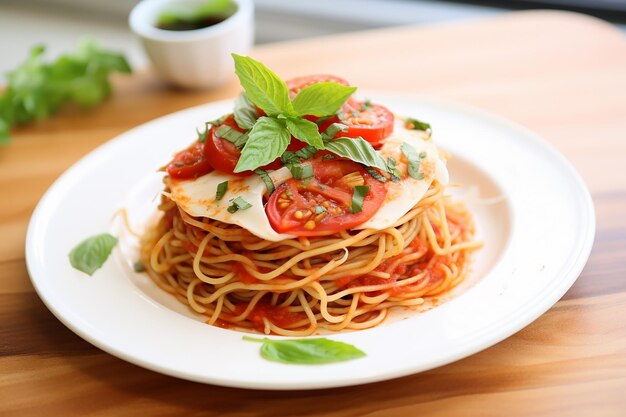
(198, 58)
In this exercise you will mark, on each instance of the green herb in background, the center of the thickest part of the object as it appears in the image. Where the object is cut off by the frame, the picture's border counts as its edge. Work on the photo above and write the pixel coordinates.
(306, 351)
(36, 89)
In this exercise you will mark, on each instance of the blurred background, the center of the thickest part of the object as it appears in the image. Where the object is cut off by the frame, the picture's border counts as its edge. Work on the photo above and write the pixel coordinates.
(60, 23)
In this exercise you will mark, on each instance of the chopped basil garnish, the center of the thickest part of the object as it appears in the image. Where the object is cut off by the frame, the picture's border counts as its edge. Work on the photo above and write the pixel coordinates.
(288, 192)
(217, 122)
(392, 170)
(202, 135)
(235, 137)
(319, 209)
(357, 198)
(238, 204)
(332, 130)
(375, 174)
(90, 254)
(414, 160)
(328, 157)
(306, 152)
(306, 351)
(139, 267)
(415, 124)
(222, 187)
(269, 184)
(300, 171)
(367, 105)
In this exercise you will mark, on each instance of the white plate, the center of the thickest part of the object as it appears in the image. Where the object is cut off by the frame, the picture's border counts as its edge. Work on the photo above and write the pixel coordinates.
(534, 214)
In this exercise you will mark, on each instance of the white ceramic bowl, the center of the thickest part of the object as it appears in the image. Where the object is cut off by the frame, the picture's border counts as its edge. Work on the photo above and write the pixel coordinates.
(194, 58)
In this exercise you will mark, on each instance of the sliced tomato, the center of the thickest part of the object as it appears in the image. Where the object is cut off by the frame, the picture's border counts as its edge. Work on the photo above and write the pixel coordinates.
(189, 163)
(372, 122)
(299, 83)
(322, 204)
(224, 155)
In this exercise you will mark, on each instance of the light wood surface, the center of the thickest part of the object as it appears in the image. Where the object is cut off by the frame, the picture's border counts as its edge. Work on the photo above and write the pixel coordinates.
(562, 75)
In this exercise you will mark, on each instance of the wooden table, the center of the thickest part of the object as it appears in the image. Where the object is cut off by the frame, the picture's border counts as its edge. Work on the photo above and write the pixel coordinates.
(562, 75)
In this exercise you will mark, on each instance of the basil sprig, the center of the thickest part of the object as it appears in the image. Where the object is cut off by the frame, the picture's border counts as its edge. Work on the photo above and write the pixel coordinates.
(270, 135)
(306, 351)
(90, 254)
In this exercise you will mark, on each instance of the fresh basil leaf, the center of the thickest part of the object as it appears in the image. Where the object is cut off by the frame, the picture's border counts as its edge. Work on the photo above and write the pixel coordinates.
(90, 254)
(237, 204)
(262, 86)
(321, 99)
(306, 131)
(245, 112)
(414, 160)
(375, 174)
(332, 130)
(415, 124)
(267, 140)
(300, 171)
(232, 135)
(269, 184)
(222, 187)
(358, 150)
(357, 198)
(306, 351)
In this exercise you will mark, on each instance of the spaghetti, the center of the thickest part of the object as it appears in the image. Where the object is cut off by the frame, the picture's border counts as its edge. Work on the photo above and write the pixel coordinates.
(295, 287)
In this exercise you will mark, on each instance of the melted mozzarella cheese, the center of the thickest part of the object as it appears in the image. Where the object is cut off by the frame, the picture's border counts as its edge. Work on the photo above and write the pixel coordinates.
(402, 196)
(197, 197)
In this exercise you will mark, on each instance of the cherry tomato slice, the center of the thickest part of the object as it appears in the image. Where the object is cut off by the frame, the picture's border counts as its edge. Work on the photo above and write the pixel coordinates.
(372, 122)
(189, 163)
(299, 83)
(322, 205)
(224, 155)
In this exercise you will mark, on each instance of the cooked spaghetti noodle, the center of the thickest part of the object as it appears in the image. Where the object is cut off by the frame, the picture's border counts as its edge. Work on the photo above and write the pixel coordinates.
(295, 287)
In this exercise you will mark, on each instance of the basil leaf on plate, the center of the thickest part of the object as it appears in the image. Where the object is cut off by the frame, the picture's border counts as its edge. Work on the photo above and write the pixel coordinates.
(267, 140)
(306, 351)
(90, 254)
(322, 99)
